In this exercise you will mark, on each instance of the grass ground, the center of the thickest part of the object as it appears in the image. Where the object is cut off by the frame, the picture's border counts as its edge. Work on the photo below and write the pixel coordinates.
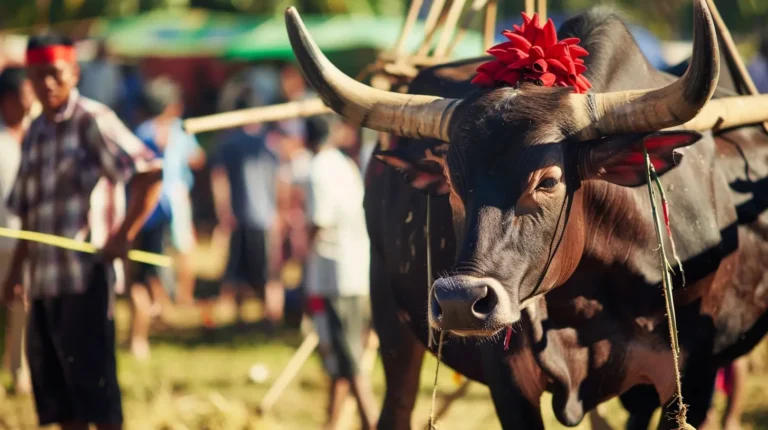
(199, 379)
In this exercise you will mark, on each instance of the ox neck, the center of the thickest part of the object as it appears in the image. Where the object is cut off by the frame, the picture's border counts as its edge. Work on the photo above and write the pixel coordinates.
(619, 226)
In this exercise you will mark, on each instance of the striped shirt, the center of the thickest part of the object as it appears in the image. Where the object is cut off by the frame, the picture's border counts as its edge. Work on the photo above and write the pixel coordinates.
(71, 183)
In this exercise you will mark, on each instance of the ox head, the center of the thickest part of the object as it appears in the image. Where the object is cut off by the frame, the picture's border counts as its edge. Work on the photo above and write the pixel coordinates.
(512, 161)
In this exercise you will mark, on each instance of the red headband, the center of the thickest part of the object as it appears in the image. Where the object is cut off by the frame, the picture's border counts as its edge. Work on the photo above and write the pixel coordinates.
(51, 54)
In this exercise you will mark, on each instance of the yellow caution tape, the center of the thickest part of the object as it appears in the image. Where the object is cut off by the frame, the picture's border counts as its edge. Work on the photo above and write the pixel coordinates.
(75, 245)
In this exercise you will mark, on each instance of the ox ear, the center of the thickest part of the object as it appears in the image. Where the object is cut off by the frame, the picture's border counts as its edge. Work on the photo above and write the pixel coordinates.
(421, 163)
(619, 159)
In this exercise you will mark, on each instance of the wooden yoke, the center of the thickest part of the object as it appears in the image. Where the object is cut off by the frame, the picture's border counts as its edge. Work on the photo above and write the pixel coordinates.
(742, 80)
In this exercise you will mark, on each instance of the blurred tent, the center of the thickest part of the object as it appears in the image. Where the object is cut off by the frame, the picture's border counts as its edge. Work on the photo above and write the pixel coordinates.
(195, 33)
(340, 33)
(174, 33)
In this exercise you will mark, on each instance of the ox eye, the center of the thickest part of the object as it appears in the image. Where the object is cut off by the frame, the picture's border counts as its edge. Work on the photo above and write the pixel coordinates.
(547, 184)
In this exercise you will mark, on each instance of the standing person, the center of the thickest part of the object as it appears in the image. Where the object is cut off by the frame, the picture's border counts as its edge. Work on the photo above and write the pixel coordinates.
(338, 278)
(293, 177)
(16, 101)
(164, 134)
(731, 380)
(244, 185)
(76, 161)
(758, 69)
(293, 86)
(101, 78)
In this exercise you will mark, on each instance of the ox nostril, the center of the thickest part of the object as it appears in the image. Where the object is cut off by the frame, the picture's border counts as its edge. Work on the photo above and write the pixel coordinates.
(435, 309)
(486, 303)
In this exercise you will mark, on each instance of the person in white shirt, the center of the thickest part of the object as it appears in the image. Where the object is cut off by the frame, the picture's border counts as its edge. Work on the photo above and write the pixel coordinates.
(16, 103)
(337, 282)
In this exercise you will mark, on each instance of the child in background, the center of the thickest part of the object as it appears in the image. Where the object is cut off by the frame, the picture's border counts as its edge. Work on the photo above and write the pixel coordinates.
(337, 270)
(731, 381)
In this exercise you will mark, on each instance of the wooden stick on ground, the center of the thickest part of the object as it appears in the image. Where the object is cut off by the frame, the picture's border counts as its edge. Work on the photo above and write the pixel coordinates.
(366, 368)
(237, 118)
(289, 373)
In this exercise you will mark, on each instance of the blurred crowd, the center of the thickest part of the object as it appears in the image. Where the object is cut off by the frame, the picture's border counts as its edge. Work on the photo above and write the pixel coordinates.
(80, 143)
(97, 152)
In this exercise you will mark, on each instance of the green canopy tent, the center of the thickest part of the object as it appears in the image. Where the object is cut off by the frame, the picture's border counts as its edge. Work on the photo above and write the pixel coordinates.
(200, 33)
(339, 33)
(175, 33)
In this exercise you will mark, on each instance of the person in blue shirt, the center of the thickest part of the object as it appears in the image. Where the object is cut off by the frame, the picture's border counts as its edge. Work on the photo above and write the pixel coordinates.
(252, 182)
(758, 68)
(181, 153)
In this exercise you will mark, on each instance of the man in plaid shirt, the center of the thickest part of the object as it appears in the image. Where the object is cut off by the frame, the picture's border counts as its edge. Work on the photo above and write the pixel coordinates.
(77, 160)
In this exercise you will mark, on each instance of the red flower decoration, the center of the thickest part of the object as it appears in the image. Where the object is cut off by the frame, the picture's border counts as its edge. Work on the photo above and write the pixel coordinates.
(533, 54)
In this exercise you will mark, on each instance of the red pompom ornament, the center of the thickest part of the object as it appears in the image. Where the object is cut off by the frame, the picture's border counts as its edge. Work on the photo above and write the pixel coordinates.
(533, 54)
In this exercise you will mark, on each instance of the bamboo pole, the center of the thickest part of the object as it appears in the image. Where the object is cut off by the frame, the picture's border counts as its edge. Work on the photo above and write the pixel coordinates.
(366, 368)
(542, 11)
(489, 32)
(454, 13)
(733, 53)
(401, 69)
(237, 118)
(477, 6)
(529, 7)
(289, 373)
(410, 21)
(430, 26)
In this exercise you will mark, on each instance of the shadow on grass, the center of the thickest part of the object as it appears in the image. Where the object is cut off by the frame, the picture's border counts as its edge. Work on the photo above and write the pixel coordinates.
(230, 335)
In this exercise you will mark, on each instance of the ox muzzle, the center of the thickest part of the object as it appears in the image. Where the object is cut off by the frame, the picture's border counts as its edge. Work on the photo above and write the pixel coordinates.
(470, 306)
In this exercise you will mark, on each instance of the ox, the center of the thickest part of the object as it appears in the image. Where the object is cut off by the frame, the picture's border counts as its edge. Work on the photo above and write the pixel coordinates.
(540, 223)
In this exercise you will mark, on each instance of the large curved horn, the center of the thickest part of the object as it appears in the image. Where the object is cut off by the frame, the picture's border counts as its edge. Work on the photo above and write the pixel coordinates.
(653, 110)
(414, 116)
